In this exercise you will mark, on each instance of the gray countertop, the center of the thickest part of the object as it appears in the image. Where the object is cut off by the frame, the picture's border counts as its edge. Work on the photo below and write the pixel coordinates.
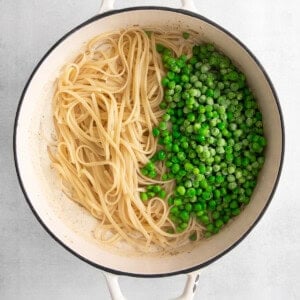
(266, 265)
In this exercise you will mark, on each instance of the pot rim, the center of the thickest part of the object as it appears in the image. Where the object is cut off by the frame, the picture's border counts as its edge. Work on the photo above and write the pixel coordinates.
(114, 12)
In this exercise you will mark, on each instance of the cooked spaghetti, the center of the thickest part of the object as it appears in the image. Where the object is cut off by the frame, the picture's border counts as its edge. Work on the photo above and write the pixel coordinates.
(105, 107)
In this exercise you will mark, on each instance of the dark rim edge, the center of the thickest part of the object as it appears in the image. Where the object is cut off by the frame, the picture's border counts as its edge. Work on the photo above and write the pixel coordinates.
(185, 12)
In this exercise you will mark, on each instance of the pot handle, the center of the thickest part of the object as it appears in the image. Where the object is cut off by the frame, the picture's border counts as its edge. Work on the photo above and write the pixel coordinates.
(109, 5)
(188, 292)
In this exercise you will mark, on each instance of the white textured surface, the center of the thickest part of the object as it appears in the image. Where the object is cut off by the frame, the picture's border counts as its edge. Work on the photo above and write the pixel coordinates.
(264, 266)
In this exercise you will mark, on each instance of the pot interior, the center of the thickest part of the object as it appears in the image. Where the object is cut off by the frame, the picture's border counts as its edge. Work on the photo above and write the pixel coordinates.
(70, 223)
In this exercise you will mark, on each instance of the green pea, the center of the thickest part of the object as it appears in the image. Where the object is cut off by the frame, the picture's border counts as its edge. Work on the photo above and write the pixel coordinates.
(155, 132)
(184, 215)
(143, 196)
(161, 155)
(193, 237)
(219, 223)
(162, 194)
(185, 35)
(204, 219)
(181, 190)
(190, 192)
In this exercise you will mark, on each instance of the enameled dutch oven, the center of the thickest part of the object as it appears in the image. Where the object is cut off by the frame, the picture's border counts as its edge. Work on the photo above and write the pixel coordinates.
(68, 223)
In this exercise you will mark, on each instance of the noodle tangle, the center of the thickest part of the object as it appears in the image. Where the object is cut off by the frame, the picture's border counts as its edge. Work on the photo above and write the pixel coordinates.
(104, 109)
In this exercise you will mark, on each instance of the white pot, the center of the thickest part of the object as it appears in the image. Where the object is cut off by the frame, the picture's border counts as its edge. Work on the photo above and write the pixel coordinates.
(69, 224)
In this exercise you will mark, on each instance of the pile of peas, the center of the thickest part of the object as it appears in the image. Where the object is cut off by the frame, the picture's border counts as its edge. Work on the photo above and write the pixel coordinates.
(211, 139)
